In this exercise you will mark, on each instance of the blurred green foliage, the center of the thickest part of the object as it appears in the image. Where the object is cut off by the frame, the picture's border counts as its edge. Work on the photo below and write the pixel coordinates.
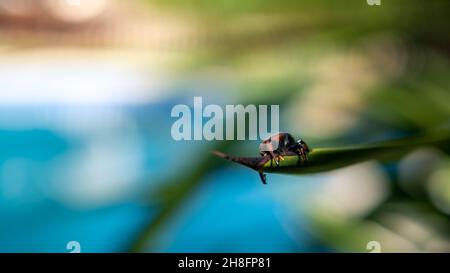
(384, 68)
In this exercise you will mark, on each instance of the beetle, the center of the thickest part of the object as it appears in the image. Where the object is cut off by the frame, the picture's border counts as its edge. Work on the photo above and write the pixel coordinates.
(278, 146)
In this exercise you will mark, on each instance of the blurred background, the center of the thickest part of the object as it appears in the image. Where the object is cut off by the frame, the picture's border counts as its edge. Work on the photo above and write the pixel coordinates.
(86, 155)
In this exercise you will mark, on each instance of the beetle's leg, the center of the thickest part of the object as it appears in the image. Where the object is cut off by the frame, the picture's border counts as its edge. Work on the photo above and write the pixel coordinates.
(273, 158)
(304, 155)
(278, 159)
(300, 156)
(270, 155)
(263, 177)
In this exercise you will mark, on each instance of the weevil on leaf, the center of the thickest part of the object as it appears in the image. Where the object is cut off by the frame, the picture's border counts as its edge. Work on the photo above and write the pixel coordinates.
(274, 149)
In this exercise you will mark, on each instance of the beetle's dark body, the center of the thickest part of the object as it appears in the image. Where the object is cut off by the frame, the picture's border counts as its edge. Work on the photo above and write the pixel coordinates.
(281, 144)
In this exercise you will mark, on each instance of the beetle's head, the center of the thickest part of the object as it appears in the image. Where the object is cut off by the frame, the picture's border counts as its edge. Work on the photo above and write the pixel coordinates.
(303, 144)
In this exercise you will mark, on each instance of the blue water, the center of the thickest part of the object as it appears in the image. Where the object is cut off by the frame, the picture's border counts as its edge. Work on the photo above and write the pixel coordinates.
(79, 174)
